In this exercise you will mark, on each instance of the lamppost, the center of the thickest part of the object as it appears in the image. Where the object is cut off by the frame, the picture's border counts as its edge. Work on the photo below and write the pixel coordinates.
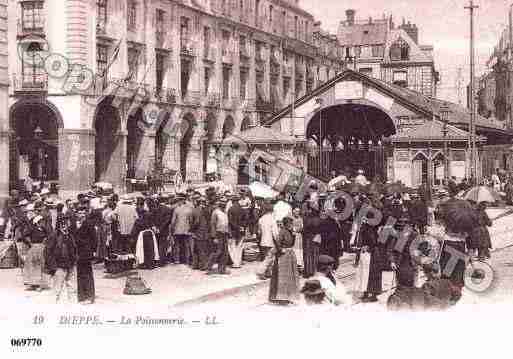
(38, 134)
(444, 113)
(319, 102)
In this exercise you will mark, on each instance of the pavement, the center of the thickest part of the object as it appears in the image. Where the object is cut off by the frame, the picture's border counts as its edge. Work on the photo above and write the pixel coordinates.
(177, 286)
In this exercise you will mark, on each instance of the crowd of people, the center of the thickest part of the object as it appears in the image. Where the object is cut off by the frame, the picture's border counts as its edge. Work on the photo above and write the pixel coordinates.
(207, 230)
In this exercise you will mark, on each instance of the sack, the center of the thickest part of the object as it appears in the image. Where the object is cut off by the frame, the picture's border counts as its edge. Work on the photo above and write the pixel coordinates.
(135, 285)
(317, 239)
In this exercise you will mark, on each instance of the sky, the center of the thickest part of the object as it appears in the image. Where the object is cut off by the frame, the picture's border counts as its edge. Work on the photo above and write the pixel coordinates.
(445, 24)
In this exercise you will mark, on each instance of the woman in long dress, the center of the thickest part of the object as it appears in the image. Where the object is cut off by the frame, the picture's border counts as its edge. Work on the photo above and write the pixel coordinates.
(369, 270)
(33, 275)
(297, 230)
(284, 287)
(480, 236)
(311, 238)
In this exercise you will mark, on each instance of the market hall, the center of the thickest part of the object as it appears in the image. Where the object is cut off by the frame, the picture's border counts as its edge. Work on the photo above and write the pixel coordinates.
(390, 132)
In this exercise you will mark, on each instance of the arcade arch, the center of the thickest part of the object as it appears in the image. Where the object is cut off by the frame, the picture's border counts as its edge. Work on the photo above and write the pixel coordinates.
(34, 150)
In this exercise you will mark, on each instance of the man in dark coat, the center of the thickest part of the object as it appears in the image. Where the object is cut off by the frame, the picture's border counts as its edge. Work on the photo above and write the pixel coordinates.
(236, 222)
(161, 215)
(200, 234)
(418, 213)
(86, 242)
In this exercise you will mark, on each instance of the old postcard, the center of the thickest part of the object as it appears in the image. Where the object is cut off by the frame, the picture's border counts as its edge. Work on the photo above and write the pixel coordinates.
(168, 166)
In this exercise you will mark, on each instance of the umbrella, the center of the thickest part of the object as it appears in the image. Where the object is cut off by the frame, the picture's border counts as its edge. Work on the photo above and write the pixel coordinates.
(375, 188)
(259, 189)
(459, 216)
(482, 194)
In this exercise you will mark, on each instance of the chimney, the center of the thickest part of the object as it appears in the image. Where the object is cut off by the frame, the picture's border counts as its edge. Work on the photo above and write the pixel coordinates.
(411, 30)
(350, 13)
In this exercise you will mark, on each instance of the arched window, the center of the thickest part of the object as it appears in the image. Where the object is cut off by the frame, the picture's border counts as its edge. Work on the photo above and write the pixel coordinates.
(400, 51)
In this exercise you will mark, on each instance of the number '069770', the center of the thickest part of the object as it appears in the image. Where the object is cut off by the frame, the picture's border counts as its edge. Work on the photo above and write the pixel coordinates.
(26, 342)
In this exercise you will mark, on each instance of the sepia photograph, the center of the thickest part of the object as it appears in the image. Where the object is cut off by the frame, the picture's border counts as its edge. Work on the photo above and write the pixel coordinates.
(255, 166)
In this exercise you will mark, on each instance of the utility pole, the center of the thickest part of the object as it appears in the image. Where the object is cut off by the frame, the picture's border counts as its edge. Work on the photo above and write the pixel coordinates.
(472, 141)
(459, 81)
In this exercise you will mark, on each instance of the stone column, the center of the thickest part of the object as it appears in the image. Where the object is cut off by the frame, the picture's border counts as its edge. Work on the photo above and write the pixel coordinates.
(76, 161)
(194, 158)
(145, 154)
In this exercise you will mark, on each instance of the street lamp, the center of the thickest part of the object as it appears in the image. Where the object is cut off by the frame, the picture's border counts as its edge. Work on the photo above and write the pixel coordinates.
(319, 102)
(444, 113)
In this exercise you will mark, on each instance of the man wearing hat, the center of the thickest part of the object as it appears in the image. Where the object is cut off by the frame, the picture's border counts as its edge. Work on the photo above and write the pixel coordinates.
(180, 227)
(236, 222)
(84, 233)
(200, 233)
(162, 215)
(219, 230)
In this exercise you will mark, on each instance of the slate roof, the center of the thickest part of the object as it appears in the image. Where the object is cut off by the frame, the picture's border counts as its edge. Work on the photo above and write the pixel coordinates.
(432, 131)
(261, 135)
(363, 34)
(458, 115)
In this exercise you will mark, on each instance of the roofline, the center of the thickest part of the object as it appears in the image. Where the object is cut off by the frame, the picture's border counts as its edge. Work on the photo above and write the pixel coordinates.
(332, 82)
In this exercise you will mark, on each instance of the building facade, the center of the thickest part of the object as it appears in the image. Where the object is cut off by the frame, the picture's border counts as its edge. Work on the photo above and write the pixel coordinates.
(109, 90)
(4, 102)
(377, 48)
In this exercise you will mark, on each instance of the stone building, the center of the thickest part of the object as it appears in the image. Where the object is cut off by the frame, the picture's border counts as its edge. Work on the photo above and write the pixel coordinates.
(4, 102)
(108, 90)
(393, 54)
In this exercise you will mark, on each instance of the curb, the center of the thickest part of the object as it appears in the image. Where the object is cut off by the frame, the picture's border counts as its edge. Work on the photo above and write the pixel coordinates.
(232, 291)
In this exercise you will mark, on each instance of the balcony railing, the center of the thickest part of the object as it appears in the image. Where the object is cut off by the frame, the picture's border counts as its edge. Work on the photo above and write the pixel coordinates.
(213, 99)
(166, 95)
(187, 47)
(30, 83)
(28, 28)
(192, 98)
(209, 53)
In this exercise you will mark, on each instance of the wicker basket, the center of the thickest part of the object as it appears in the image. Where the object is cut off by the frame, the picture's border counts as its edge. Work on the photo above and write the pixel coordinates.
(9, 259)
(119, 265)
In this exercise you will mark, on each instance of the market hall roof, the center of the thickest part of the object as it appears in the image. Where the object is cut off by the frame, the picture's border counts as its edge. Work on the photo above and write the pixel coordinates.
(413, 100)
(433, 131)
(261, 135)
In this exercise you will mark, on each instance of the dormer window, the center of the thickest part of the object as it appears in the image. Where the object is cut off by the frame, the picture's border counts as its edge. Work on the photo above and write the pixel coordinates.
(400, 51)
